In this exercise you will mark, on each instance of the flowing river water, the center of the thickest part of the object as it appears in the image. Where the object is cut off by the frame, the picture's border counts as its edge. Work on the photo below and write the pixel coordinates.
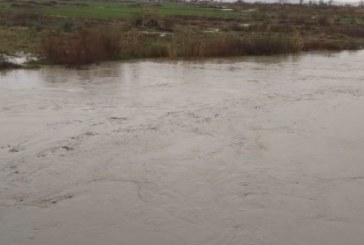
(243, 151)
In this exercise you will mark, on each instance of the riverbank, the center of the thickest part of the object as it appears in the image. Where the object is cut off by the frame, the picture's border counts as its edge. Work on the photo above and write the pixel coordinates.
(75, 33)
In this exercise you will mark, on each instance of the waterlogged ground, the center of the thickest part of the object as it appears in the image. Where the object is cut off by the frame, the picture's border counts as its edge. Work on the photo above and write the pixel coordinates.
(253, 151)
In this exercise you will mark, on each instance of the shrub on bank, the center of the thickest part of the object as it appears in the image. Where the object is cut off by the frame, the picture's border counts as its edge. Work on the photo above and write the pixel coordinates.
(272, 44)
(81, 47)
(206, 45)
(90, 46)
(233, 45)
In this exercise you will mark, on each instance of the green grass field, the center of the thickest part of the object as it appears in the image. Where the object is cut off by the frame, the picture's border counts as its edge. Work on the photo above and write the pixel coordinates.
(105, 10)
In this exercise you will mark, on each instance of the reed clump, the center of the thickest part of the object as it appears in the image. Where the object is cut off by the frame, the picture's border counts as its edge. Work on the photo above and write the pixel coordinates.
(90, 46)
(81, 47)
(265, 44)
(223, 45)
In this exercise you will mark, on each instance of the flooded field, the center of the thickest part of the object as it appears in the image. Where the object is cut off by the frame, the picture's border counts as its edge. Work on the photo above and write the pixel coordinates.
(252, 151)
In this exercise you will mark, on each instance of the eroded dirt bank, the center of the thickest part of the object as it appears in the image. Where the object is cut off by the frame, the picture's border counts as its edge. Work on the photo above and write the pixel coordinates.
(253, 151)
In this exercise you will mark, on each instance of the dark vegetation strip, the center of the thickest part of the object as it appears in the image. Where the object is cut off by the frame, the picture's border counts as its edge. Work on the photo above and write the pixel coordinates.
(107, 43)
(75, 33)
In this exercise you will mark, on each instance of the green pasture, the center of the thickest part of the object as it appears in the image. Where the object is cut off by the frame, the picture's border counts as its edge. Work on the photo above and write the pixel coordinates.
(112, 10)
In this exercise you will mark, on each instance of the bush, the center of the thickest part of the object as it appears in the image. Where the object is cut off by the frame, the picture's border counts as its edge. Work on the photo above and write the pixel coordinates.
(89, 46)
(325, 20)
(272, 44)
(219, 45)
(82, 47)
(159, 49)
(207, 45)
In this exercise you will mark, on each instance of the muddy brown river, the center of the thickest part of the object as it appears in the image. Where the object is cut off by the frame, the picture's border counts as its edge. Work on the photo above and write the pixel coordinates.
(246, 151)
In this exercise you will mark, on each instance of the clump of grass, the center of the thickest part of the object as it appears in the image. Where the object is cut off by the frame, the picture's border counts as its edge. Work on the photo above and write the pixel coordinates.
(81, 47)
(194, 45)
(90, 46)
(221, 45)
(133, 44)
(207, 45)
(18, 39)
(272, 44)
(160, 49)
(325, 20)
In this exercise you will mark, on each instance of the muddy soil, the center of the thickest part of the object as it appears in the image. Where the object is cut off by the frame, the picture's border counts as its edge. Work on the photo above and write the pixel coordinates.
(253, 151)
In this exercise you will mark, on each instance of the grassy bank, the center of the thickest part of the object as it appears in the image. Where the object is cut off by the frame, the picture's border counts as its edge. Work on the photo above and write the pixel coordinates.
(111, 42)
(81, 32)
